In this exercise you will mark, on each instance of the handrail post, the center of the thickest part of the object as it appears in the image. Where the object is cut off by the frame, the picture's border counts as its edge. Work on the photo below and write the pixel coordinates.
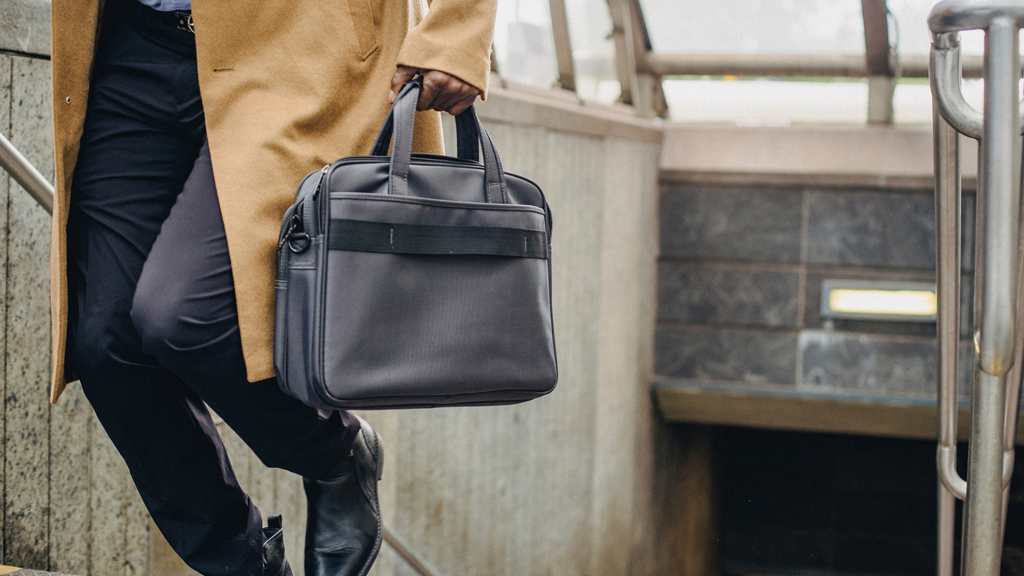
(998, 344)
(995, 333)
(946, 152)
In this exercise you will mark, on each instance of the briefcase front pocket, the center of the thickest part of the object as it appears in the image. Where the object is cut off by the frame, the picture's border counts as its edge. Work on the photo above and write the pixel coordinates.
(443, 303)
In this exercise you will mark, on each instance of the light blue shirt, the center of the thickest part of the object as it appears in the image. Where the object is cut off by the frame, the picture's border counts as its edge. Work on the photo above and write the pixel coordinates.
(168, 5)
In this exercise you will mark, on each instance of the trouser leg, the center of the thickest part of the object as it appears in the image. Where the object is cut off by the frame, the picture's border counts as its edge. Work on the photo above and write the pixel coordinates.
(184, 310)
(137, 149)
(144, 130)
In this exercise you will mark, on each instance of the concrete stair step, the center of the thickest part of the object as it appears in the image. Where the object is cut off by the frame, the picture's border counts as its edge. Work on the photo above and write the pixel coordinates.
(15, 571)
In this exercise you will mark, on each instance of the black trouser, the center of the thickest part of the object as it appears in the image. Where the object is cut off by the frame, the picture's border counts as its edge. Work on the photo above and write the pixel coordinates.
(153, 326)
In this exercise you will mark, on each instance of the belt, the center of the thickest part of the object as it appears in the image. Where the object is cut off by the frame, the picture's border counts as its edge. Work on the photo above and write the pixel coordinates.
(180, 19)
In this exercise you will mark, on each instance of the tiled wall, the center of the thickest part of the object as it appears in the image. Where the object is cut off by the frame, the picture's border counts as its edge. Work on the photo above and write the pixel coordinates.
(740, 280)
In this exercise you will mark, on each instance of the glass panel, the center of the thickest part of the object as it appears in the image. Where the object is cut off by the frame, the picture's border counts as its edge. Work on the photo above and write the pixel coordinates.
(523, 43)
(593, 50)
(756, 26)
(912, 101)
(911, 34)
(767, 102)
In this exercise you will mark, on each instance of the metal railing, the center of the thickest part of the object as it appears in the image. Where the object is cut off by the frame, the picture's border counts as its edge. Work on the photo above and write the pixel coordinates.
(26, 174)
(999, 345)
(15, 163)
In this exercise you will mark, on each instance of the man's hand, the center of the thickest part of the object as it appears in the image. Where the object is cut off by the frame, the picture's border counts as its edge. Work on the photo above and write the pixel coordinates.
(441, 91)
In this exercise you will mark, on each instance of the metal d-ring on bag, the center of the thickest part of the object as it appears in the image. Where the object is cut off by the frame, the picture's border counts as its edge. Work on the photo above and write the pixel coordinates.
(415, 280)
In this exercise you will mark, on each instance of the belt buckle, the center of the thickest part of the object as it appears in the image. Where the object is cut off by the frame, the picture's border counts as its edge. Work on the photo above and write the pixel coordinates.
(185, 21)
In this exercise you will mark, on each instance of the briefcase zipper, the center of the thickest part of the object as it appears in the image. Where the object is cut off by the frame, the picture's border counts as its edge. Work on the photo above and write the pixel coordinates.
(437, 202)
(316, 195)
(433, 160)
(425, 160)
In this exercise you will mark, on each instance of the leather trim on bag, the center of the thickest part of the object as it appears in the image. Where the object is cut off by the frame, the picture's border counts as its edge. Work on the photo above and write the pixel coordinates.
(360, 236)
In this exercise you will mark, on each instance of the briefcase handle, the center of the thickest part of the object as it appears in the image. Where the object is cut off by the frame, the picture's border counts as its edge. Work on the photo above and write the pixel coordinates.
(467, 136)
(399, 126)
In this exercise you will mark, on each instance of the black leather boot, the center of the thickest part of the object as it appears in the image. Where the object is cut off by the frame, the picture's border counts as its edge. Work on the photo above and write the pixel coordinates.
(274, 562)
(343, 526)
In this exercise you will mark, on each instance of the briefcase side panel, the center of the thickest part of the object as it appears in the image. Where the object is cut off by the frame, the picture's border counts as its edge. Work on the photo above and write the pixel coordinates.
(281, 319)
(298, 303)
(293, 241)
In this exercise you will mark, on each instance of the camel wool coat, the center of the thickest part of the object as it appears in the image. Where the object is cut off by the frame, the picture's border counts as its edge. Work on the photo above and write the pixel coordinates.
(287, 87)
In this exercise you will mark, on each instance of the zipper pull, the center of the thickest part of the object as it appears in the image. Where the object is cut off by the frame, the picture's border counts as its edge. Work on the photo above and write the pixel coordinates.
(316, 197)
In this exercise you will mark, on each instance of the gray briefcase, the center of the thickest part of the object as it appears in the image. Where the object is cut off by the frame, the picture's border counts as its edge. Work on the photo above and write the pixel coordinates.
(415, 280)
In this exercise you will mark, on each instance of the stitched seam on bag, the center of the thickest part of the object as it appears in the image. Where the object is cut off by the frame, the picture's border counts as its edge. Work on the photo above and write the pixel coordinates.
(437, 202)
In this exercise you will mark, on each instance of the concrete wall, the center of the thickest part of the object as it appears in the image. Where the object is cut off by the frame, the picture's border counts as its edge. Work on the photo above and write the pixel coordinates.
(25, 27)
(561, 485)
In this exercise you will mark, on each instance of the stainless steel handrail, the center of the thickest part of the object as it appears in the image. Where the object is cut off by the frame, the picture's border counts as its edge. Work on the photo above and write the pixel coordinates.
(945, 69)
(15, 163)
(946, 151)
(998, 343)
(947, 227)
(960, 15)
(413, 558)
(26, 174)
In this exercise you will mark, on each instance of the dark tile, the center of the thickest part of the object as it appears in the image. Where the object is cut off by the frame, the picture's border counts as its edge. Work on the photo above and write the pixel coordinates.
(866, 470)
(877, 229)
(872, 496)
(752, 357)
(967, 238)
(887, 515)
(699, 295)
(868, 364)
(870, 554)
(966, 306)
(965, 371)
(729, 223)
(772, 549)
(782, 505)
